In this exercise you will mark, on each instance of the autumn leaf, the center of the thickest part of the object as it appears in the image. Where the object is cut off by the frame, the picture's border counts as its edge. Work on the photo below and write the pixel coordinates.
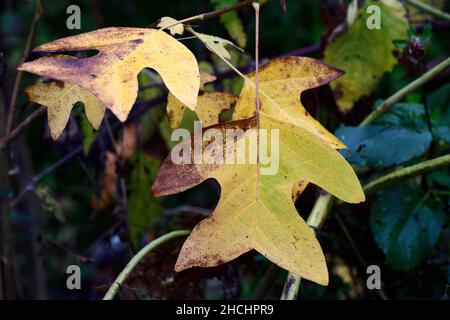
(111, 75)
(365, 54)
(209, 104)
(172, 24)
(59, 98)
(256, 211)
(215, 44)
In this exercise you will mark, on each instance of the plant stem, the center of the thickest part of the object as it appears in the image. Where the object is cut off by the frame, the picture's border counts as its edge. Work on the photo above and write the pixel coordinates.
(213, 14)
(429, 9)
(12, 106)
(324, 203)
(258, 166)
(389, 102)
(407, 173)
(138, 257)
(291, 286)
(14, 134)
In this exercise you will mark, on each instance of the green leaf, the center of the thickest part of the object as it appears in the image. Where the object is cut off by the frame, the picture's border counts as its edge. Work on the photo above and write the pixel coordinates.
(405, 225)
(400, 43)
(232, 22)
(143, 209)
(412, 32)
(89, 133)
(426, 33)
(396, 137)
(441, 177)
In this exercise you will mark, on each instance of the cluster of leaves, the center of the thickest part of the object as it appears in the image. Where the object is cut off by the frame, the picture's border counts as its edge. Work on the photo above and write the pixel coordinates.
(255, 212)
(261, 217)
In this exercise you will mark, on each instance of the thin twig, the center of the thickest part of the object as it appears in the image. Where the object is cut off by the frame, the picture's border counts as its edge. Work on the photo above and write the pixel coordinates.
(407, 173)
(212, 14)
(266, 282)
(429, 9)
(356, 250)
(12, 106)
(138, 257)
(388, 103)
(22, 127)
(37, 178)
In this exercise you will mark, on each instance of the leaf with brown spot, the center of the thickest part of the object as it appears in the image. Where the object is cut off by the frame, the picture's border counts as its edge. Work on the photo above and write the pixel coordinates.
(256, 211)
(59, 98)
(111, 75)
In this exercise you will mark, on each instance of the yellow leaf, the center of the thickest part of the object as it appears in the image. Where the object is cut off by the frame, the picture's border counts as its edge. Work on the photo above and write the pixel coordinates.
(59, 98)
(172, 24)
(256, 211)
(205, 78)
(209, 106)
(111, 75)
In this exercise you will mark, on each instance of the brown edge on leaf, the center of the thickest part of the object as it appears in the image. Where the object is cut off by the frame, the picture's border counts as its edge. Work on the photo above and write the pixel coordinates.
(165, 181)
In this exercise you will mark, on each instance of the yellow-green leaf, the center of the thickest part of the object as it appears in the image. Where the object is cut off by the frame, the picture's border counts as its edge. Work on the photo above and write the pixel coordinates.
(366, 54)
(216, 44)
(111, 75)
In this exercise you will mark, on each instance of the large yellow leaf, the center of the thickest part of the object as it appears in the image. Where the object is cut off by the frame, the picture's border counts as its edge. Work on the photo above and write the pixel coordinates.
(256, 211)
(59, 98)
(111, 75)
(366, 54)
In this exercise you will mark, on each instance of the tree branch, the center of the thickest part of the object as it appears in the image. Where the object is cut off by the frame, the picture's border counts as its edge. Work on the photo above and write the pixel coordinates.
(138, 257)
